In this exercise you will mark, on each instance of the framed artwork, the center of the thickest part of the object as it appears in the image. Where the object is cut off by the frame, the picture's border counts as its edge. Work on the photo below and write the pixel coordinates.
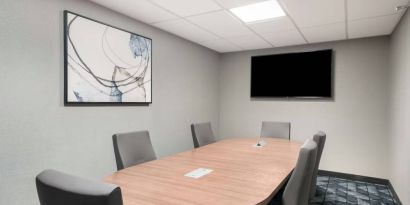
(105, 65)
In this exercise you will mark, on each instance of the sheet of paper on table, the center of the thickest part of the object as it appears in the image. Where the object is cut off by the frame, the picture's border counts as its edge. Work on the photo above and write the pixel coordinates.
(198, 173)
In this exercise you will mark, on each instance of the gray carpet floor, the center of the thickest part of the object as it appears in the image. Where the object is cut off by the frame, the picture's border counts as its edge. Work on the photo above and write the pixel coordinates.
(335, 191)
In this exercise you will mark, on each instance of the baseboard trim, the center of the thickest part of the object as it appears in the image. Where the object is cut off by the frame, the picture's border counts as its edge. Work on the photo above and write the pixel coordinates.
(394, 193)
(355, 177)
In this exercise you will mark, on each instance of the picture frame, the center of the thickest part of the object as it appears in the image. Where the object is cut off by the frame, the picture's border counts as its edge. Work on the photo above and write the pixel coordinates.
(105, 65)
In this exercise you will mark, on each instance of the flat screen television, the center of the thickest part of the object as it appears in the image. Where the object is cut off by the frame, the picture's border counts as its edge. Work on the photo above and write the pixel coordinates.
(298, 75)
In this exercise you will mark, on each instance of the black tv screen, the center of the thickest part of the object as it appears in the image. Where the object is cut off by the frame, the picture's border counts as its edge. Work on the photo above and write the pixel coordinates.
(305, 75)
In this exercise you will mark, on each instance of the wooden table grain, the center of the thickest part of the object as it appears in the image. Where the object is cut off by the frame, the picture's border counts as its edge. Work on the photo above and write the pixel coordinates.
(242, 174)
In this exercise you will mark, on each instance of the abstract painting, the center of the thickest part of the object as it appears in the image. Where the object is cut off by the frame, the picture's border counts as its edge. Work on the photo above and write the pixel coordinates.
(105, 65)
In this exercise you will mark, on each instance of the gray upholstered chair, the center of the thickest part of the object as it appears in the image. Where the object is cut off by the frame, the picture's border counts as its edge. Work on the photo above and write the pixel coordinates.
(132, 148)
(297, 189)
(320, 139)
(57, 188)
(202, 134)
(275, 129)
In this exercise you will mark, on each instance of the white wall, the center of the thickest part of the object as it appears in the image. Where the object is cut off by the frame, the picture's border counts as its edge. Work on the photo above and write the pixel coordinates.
(399, 136)
(355, 121)
(38, 132)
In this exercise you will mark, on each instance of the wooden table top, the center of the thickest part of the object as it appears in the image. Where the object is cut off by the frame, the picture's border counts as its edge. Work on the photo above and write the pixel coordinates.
(242, 174)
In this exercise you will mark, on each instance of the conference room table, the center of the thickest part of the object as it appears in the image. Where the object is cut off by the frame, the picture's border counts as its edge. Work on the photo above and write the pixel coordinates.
(241, 174)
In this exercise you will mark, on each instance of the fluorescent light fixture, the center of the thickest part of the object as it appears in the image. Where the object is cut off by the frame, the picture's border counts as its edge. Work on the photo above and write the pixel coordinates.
(259, 11)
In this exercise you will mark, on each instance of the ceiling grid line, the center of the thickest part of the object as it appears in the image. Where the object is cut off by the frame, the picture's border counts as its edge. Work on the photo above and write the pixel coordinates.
(186, 18)
(193, 23)
(365, 18)
(241, 22)
(253, 31)
(219, 37)
(292, 20)
(236, 19)
(211, 23)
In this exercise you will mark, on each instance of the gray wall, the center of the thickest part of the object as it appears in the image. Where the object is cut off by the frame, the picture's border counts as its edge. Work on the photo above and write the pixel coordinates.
(355, 120)
(399, 136)
(38, 132)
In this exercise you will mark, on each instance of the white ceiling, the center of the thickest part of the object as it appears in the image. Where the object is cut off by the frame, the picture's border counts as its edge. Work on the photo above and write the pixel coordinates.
(211, 24)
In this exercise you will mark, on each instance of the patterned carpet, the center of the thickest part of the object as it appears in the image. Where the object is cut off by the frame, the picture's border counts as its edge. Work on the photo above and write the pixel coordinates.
(335, 191)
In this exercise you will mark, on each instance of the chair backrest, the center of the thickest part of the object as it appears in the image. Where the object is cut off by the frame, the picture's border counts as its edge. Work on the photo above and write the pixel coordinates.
(132, 148)
(275, 129)
(54, 187)
(320, 139)
(202, 134)
(297, 190)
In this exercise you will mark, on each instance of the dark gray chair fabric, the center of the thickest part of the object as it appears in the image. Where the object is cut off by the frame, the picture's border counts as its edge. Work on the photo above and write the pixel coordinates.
(57, 188)
(297, 189)
(320, 139)
(132, 148)
(202, 134)
(275, 129)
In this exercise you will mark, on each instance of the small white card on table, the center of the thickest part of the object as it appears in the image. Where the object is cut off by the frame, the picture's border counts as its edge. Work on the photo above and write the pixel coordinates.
(198, 173)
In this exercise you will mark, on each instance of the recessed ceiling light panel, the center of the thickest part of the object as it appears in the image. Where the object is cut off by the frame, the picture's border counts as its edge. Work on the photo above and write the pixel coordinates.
(261, 11)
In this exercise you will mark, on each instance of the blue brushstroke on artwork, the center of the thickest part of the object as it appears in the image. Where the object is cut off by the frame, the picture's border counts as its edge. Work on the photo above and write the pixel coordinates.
(77, 95)
(115, 95)
(140, 46)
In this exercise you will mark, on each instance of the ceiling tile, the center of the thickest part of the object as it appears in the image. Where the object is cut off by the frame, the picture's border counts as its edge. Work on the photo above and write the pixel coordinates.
(221, 45)
(285, 38)
(278, 24)
(188, 7)
(377, 26)
(307, 13)
(141, 10)
(186, 30)
(329, 32)
(358, 9)
(208, 24)
(236, 3)
(221, 23)
(250, 42)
